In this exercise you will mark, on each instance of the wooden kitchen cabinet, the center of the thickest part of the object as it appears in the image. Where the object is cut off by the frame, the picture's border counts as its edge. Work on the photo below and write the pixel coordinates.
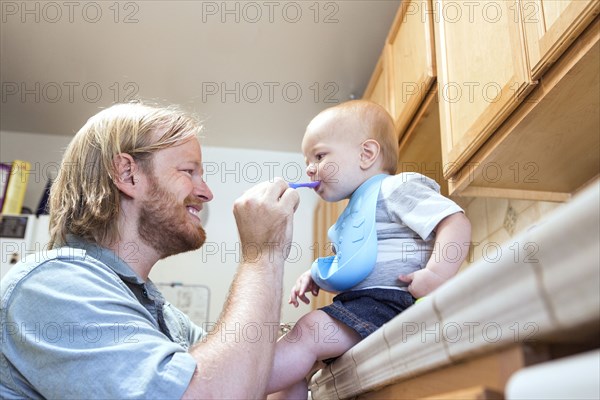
(326, 214)
(420, 149)
(551, 26)
(407, 73)
(378, 89)
(549, 148)
(411, 60)
(513, 110)
(482, 74)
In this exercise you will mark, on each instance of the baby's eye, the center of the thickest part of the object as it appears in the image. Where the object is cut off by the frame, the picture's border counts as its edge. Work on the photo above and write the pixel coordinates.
(320, 156)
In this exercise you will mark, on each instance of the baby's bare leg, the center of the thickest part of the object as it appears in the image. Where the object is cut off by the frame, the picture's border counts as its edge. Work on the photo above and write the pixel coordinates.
(315, 337)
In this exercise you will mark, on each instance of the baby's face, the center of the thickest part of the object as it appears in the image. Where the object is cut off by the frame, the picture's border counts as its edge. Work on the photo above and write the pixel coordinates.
(333, 152)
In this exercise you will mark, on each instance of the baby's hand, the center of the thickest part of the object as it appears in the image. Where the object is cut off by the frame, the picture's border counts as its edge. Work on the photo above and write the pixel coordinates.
(304, 284)
(422, 282)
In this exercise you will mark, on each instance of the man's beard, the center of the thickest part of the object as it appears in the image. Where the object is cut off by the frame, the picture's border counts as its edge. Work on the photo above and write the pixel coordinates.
(164, 223)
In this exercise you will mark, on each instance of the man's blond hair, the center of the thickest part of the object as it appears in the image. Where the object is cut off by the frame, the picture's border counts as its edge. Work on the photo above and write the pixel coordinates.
(84, 200)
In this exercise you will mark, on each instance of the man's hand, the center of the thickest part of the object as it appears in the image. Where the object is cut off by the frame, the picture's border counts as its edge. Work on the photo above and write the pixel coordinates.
(264, 217)
(240, 369)
(305, 283)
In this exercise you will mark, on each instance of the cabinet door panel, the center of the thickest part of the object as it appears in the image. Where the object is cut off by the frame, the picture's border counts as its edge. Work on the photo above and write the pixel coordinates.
(378, 88)
(551, 26)
(412, 62)
(481, 73)
(379, 94)
(326, 214)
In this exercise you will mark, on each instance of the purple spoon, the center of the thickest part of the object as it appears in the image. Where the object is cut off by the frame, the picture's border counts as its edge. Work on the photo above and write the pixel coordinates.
(304, 184)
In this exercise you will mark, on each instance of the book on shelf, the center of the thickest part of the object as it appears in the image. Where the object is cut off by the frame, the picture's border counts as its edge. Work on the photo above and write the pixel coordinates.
(42, 208)
(4, 175)
(16, 186)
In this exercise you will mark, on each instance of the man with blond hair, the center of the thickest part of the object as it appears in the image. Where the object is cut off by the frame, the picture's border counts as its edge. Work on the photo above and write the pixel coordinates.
(84, 321)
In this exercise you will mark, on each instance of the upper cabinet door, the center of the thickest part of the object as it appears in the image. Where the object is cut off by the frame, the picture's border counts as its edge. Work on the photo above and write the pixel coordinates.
(551, 26)
(412, 60)
(482, 73)
(378, 88)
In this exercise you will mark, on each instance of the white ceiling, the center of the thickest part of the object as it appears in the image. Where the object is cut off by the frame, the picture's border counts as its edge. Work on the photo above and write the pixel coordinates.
(256, 72)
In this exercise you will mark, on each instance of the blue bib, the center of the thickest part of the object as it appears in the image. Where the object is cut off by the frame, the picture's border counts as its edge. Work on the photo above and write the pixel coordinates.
(355, 239)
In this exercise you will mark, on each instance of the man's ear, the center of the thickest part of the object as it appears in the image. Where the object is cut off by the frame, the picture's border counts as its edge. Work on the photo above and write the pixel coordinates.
(125, 174)
(369, 153)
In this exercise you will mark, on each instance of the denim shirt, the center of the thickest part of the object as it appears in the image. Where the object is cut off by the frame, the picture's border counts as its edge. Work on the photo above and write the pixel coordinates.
(77, 322)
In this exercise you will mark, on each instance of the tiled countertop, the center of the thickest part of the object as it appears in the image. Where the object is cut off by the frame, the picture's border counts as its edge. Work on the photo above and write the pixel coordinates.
(541, 283)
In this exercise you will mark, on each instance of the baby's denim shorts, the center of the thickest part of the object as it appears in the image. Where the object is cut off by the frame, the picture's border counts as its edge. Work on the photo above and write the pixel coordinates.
(366, 310)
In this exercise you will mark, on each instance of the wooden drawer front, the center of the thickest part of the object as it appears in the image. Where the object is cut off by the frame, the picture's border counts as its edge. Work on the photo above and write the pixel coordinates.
(481, 73)
(412, 60)
(551, 26)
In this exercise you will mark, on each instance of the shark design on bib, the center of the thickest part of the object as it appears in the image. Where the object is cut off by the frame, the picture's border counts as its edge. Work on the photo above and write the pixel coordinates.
(354, 237)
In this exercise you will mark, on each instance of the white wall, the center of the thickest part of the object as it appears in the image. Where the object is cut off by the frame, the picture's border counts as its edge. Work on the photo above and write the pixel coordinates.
(229, 172)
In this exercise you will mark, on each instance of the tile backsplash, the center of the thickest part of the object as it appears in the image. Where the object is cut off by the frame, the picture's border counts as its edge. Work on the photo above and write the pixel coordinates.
(495, 221)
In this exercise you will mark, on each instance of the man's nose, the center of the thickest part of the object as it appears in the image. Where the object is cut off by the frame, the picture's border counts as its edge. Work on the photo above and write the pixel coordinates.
(203, 192)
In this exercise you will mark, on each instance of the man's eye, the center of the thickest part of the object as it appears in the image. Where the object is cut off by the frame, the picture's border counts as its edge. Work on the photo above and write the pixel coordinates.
(188, 171)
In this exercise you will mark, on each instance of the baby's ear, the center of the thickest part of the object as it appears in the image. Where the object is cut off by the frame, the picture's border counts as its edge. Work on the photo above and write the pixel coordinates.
(370, 151)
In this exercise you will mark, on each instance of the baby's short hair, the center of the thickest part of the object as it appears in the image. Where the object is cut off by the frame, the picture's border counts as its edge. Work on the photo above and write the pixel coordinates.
(377, 124)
